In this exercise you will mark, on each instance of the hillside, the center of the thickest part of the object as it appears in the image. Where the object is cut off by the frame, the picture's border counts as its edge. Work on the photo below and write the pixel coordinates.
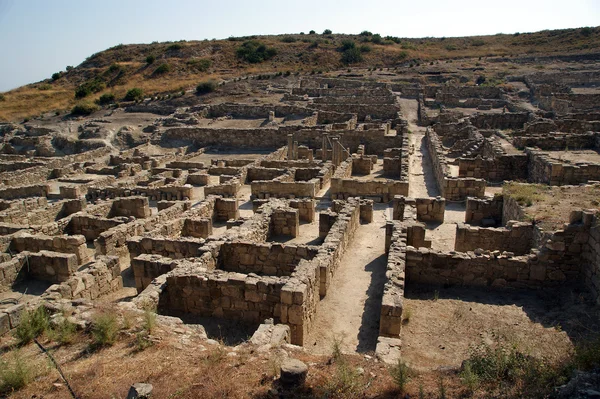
(160, 68)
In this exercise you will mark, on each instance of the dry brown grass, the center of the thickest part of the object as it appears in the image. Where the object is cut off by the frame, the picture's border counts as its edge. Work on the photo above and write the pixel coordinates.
(30, 101)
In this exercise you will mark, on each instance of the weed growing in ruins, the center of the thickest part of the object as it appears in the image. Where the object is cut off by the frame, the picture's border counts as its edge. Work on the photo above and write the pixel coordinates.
(524, 194)
(149, 321)
(104, 330)
(336, 349)
(406, 315)
(84, 109)
(14, 374)
(587, 355)
(442, 389)
(401, 375)
(134, 94)
(33, 324)
(206, 87)
(436, 295)
(421, 391)
(469, 379)
(63, 332)
(162, 69)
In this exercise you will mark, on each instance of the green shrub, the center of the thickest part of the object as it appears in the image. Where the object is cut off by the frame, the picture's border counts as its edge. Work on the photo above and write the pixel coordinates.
(312, 32)
(402, 55)
(327, 32)
(56, 75)
(254, 52)
(149, 321)
(206, 87)
(2, 97)
(400, 373)
(69, 68)
(365, 33)
(106, 98)
(175, 47)
(150, 59)
(313, 44)
(376, 39)
(114, 68)
(45, 86)
(63, 332)
(33, 324)
(104, 330)
(587, 31)
(451, 47)
(87, 88)
(162, 69)
(84, 109)
(364, 48)
(288, 39)
(351, 56)
(477, 42)
(200, 64)
(347, 45)
(15, 374)
(134, 94)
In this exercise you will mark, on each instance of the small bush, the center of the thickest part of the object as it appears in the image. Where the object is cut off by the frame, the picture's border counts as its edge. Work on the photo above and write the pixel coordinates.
(69, 68)
(351, 56)
(255, 52)
(106, 98)
(162, 69)
(134, 94)
(400, 373)
(365, 49)
(84, 109)
(288, 39)
(347, 44)
(56, 75)
(587, 31)
(327, 32)
(451, 47)
(469, 379)
(175, 47)
(365, 33)
(87, 88)
(206, 87)
(150, 59)
(312, 32)
(63, 332)
(45, 86)
(200, 64)
(104, 330)
(149, 321)
(477, 42)
(314, 44)
(33, 324)
(376, 39)
(14, 375)
(2, 97)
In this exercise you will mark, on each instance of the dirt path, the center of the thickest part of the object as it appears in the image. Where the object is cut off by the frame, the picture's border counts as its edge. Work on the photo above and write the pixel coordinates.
(420, 178)
(350, 311)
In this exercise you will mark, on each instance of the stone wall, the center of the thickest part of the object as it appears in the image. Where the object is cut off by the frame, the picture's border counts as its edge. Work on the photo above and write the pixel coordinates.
(516, 237)
(270, 259)
(431, 209)
(390, 318)
(285, 222)
(543, 169)
(497, 169)
(100, 278)
(50, 266)
(452, 188)
(10, 193)
(486, 212)
(556, 141)
(282, 189)
(74, 244)
(153, 193)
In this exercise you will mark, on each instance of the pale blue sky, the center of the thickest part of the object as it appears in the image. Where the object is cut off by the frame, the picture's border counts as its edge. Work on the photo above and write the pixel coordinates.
(40, 37)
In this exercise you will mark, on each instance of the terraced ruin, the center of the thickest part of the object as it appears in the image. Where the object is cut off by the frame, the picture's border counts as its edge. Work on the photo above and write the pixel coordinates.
(404, 214)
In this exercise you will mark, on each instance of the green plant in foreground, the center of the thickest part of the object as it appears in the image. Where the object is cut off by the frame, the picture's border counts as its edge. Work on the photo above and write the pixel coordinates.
(104, 330)
(15, 374)
(400, 373)
(33, 324)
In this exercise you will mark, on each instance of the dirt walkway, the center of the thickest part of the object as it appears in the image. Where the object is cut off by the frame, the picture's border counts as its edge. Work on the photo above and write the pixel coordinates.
(350, 311)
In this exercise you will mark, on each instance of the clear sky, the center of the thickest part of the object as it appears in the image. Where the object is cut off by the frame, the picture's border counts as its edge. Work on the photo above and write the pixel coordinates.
(40, 37)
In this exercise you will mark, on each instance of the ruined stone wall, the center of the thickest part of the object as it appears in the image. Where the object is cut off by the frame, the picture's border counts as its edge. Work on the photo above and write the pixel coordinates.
(100, 278)
(485, 210)
(74, 244)
(543, 169)
(50, 266)
(511, 210)
(168, 193)
(390, 318)
(261, 173)
(285, 222)
(306, 209)
(10, 193)
(500, 121)
(281, 189)
(452, 188)
(270, 259)
(497, 169)
(431, 209)
(557, 141)
(516, 237)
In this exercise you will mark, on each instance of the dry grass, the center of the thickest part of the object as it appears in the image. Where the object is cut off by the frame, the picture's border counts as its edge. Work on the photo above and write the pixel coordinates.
(298, 56)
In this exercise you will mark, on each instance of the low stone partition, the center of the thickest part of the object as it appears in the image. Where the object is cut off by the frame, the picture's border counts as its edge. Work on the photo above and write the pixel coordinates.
(452, 188)
(36, 211)
(197, 227)
(10, 193)
(186, 165)
(147, 267)
(167, 192)
(547, 170)
(262, 173)
(91, 226)
(114, 240)
(49, 266)
(486, 212)
(431, 209)
(496, 169)
(390, 318)
(556, 141)
(226, 208)
(11, 271)
(344, 187)
(269, 259)
(75, 244)
(173, 248)
(138, 207)
(198, 179)
(100, 278)
(516, 237)
(228, 189)
(263, 189)
(285, 222)
(305, 207)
